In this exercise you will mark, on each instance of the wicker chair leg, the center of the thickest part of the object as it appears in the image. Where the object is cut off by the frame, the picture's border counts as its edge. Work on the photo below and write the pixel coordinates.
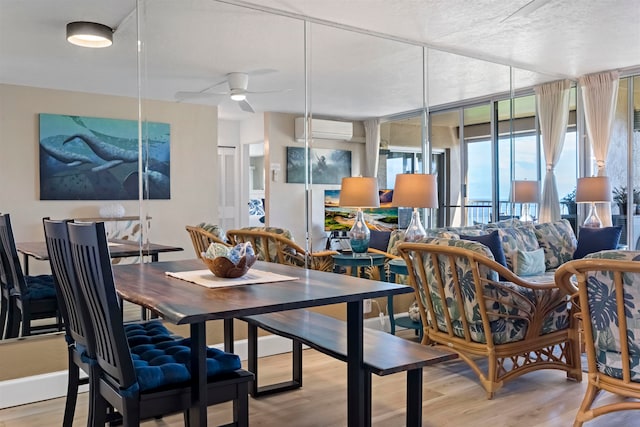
(584, 413)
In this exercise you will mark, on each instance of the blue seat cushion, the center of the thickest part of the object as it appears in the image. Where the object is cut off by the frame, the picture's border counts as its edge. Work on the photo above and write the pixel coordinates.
(40, 287)
(167, 362)
(147, 333)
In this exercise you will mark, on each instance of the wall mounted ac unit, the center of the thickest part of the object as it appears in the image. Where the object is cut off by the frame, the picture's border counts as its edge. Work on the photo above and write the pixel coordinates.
(324, 129)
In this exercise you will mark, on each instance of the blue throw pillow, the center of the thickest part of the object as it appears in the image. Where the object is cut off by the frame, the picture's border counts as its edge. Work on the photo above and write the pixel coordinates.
(592, 240)
(379, 240)
(492, 241)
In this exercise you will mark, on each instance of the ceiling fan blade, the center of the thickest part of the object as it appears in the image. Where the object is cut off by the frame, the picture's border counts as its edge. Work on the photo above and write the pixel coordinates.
(204, 93)
(214, 85)
(185, 95)
(270, 91)
(526, 10)
(245, 106)
(261, 71)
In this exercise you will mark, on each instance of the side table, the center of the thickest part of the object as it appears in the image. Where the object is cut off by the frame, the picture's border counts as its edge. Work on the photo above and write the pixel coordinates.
(398, 266)
(356, 262)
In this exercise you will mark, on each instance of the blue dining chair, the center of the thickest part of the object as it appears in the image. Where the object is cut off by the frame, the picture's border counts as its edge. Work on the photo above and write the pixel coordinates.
(80, 353)
(31, 297)
(147, 380)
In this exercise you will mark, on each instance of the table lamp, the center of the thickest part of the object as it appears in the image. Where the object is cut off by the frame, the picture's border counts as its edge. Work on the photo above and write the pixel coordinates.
(525, 192)
(595, 189)
(415, 191)
(359, 192)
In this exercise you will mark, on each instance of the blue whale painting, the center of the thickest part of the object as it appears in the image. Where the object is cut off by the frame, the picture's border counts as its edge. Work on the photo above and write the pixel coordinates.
(88, 158)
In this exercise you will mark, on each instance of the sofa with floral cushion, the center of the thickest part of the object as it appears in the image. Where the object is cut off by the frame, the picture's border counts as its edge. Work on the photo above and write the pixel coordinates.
(532, 251)
(480, 309)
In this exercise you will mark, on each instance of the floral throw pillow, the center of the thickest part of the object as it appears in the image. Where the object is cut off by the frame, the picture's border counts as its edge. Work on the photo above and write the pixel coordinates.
(520, 238)
(558, 241)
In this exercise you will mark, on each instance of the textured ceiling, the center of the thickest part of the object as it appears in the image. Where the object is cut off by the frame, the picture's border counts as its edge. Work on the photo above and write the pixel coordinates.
(188, 45)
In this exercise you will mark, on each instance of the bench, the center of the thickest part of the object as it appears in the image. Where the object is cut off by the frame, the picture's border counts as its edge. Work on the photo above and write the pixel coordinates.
(383, 353)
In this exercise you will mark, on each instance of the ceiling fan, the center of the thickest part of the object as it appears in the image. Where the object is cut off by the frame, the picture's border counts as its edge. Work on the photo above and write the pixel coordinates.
(238, 83)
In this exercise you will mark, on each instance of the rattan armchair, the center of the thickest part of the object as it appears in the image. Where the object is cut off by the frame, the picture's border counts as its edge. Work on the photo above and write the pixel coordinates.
(202, 238)
(276, 247)
(457, 287)
(610, 324)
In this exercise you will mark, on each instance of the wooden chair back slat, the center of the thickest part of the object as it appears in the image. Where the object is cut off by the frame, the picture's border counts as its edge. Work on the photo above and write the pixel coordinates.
(202, 239)
(276, 248)
(61, 261)
(14, 272)
(95, 277)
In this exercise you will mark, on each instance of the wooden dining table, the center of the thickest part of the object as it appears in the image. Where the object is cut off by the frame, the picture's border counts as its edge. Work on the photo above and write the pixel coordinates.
(183, 302)
(118, 248)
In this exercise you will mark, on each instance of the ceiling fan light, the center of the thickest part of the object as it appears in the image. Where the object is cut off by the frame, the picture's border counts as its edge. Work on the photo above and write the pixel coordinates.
(238, 96)
(89, 34)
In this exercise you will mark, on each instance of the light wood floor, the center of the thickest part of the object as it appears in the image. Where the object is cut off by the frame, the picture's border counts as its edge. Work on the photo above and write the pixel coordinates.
(452, 397)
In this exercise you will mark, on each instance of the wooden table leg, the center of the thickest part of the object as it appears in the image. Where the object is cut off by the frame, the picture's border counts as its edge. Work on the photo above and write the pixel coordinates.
(414, 397)
(228, 335)
(355, 366)
(198, 410)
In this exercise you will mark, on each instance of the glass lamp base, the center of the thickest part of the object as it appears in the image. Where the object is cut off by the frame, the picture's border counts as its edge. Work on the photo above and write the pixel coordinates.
(359, 235)
(593, 220)
(415, 231)
(525, 216)
(359, 246)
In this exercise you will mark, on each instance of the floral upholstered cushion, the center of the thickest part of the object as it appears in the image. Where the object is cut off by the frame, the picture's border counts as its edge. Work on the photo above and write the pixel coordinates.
(214, 229)
(260, 250)
(505, 223)
(604, 316)
(397, 237)
(503, 331)
(471, 230)
(520, 238)
(558, 241)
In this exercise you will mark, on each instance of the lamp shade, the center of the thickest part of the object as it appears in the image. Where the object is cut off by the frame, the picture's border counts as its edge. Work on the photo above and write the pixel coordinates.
(89, 34)
(359, 192)
(415, 190)
(593, 189)
(526, 191)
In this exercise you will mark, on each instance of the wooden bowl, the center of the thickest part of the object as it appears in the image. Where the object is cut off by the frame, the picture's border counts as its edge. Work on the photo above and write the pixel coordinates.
(223, 267)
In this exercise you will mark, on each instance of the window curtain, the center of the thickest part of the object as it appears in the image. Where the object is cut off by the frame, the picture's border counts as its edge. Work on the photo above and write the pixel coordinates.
(599, 96)
(372, 148)
(553, 114)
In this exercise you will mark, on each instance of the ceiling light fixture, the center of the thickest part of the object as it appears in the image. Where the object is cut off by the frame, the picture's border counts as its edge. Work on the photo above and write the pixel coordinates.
(89, 34)
(238, 96)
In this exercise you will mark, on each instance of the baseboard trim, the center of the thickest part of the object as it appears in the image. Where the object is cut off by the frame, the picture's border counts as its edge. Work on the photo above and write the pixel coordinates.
(22, 391)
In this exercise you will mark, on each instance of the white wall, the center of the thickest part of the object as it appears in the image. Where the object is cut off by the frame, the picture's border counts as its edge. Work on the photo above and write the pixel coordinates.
(193, 158)
(287, 201)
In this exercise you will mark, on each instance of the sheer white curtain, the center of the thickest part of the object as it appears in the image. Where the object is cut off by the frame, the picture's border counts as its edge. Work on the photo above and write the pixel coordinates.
(372, 149)
(553, 113)
(599, 96)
